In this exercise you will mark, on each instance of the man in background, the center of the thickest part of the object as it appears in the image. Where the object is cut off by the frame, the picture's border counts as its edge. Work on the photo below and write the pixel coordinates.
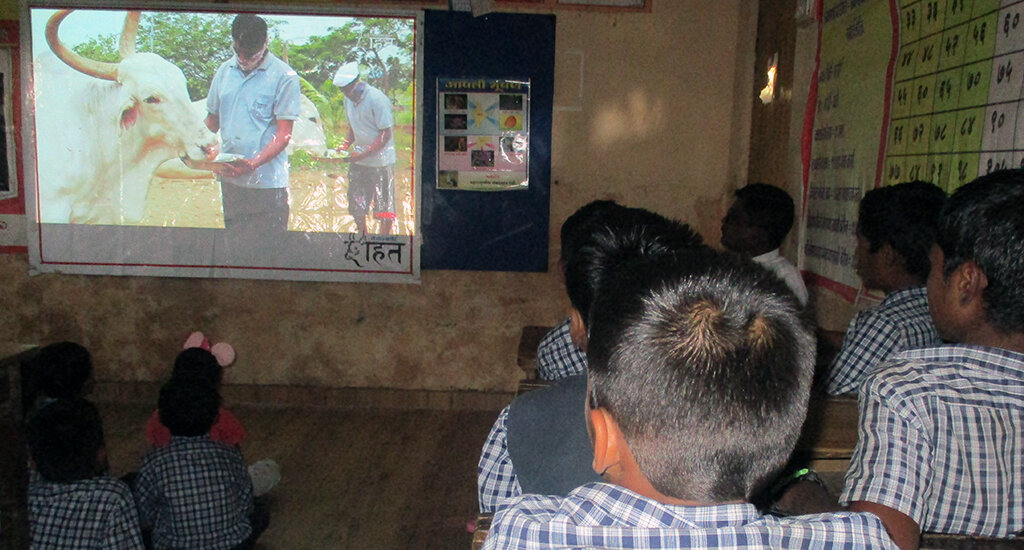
(371, 142)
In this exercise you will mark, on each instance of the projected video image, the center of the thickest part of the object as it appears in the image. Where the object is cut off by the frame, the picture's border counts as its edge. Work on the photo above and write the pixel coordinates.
(144, 118)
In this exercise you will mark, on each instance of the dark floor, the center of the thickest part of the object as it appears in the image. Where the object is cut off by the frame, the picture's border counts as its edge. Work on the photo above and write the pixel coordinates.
(351, 478)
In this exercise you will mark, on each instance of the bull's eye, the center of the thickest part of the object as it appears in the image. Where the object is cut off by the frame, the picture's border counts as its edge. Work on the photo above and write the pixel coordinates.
(152, 99)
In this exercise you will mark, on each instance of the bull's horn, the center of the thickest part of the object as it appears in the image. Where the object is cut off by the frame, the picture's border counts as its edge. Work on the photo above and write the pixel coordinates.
(98, 69)
(131, 28)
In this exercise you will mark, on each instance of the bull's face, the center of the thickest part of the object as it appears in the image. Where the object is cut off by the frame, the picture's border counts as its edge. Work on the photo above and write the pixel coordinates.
(155, 108)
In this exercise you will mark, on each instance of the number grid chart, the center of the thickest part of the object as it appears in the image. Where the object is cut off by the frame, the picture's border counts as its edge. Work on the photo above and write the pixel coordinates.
(956, 110)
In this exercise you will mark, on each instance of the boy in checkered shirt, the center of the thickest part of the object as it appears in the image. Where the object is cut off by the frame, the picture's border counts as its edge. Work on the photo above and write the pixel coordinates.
(195, 492)
(941, 431)
(699, 372)
(895, 232)
(72, 502)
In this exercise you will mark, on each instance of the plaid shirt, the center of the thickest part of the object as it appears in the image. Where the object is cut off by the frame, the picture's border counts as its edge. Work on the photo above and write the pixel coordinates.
(496, 480)
(601, 515)
(557, 355)
(195, 493)
(86, 514)
(901, 322)
(941, 440)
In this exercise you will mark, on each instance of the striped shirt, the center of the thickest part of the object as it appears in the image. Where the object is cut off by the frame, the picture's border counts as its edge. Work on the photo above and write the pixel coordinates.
(901, 322)
(557, 355)
(941, 440)
(96, 513)
(606, 516)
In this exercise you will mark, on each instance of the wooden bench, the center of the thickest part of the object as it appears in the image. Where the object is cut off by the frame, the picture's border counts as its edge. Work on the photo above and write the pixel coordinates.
(14, 534)
(526, 358)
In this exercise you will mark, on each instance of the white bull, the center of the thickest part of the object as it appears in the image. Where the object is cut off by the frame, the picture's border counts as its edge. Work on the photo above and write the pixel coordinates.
(103, 128)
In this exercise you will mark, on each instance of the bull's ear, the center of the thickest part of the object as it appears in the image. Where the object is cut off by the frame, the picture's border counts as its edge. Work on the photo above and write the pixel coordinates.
(129, 115)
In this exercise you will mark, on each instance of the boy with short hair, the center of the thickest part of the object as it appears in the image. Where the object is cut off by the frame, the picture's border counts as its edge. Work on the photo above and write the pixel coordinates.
(895, 232)
(755, 226)
(538, 443)
(941, 431)
(195, 492)
(699, 374)
(557, 355)
(72, 502)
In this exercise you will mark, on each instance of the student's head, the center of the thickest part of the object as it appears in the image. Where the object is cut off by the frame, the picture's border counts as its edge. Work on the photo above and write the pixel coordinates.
(978, 262)
(702, 363)
(895, 232)
(63, 370)
(610, 241)
(188, 406)
(578, 224)
(249, 35)
(199, 364)
(65, 440)
(758, 221)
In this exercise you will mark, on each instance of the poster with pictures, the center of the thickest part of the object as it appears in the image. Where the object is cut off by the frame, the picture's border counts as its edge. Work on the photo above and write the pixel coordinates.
(483, 134)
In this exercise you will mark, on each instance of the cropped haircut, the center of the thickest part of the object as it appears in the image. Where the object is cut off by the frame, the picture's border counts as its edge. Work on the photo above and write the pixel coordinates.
(904, 216)
(983, 221)
(188, 406)
(578, 224)
(769, 208)
(250, 31)
(705, 363)
(613, 240)
(64, 440)
(62, 369)
(197, 363)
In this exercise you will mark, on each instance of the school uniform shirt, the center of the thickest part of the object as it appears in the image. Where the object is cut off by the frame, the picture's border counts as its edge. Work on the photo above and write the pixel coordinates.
(941, 439)
(606, 516)
(496, 480)
(901, 322)
(195, 493)
(96, 513)
(786, 271)
(557, 355)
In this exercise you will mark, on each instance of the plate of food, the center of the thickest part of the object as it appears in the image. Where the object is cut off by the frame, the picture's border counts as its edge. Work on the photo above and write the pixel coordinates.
(221, 160)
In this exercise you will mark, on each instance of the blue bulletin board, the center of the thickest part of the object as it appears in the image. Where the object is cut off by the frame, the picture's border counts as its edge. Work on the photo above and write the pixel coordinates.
(503, 230)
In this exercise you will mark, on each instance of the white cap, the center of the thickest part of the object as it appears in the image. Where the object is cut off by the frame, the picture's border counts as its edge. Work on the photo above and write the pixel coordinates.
(347, 74)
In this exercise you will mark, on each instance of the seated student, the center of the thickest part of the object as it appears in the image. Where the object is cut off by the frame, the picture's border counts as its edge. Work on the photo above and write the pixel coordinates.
(895, 232)
(61, 370)
(539, 444)
(699, 374)
(200, 364)
(941, 431)
(195, 492)
(558, 356)
(755, 226)
(72, 502)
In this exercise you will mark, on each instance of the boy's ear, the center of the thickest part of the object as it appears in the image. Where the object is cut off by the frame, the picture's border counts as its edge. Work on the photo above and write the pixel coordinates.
(578, 329)
(608, 441)
(970, 283)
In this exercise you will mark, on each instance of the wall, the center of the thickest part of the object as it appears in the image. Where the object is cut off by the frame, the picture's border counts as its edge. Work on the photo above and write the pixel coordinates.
(651, 110)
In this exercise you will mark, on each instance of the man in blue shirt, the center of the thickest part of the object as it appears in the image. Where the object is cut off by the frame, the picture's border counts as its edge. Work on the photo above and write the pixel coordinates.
(254, 101)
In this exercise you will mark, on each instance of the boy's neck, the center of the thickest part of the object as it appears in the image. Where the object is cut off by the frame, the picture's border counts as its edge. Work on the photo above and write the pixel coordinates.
(984, 334)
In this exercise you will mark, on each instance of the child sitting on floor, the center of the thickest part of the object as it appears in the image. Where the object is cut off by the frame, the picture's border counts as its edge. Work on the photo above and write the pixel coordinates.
(194, 492)
(72, 502)
(199, 364)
